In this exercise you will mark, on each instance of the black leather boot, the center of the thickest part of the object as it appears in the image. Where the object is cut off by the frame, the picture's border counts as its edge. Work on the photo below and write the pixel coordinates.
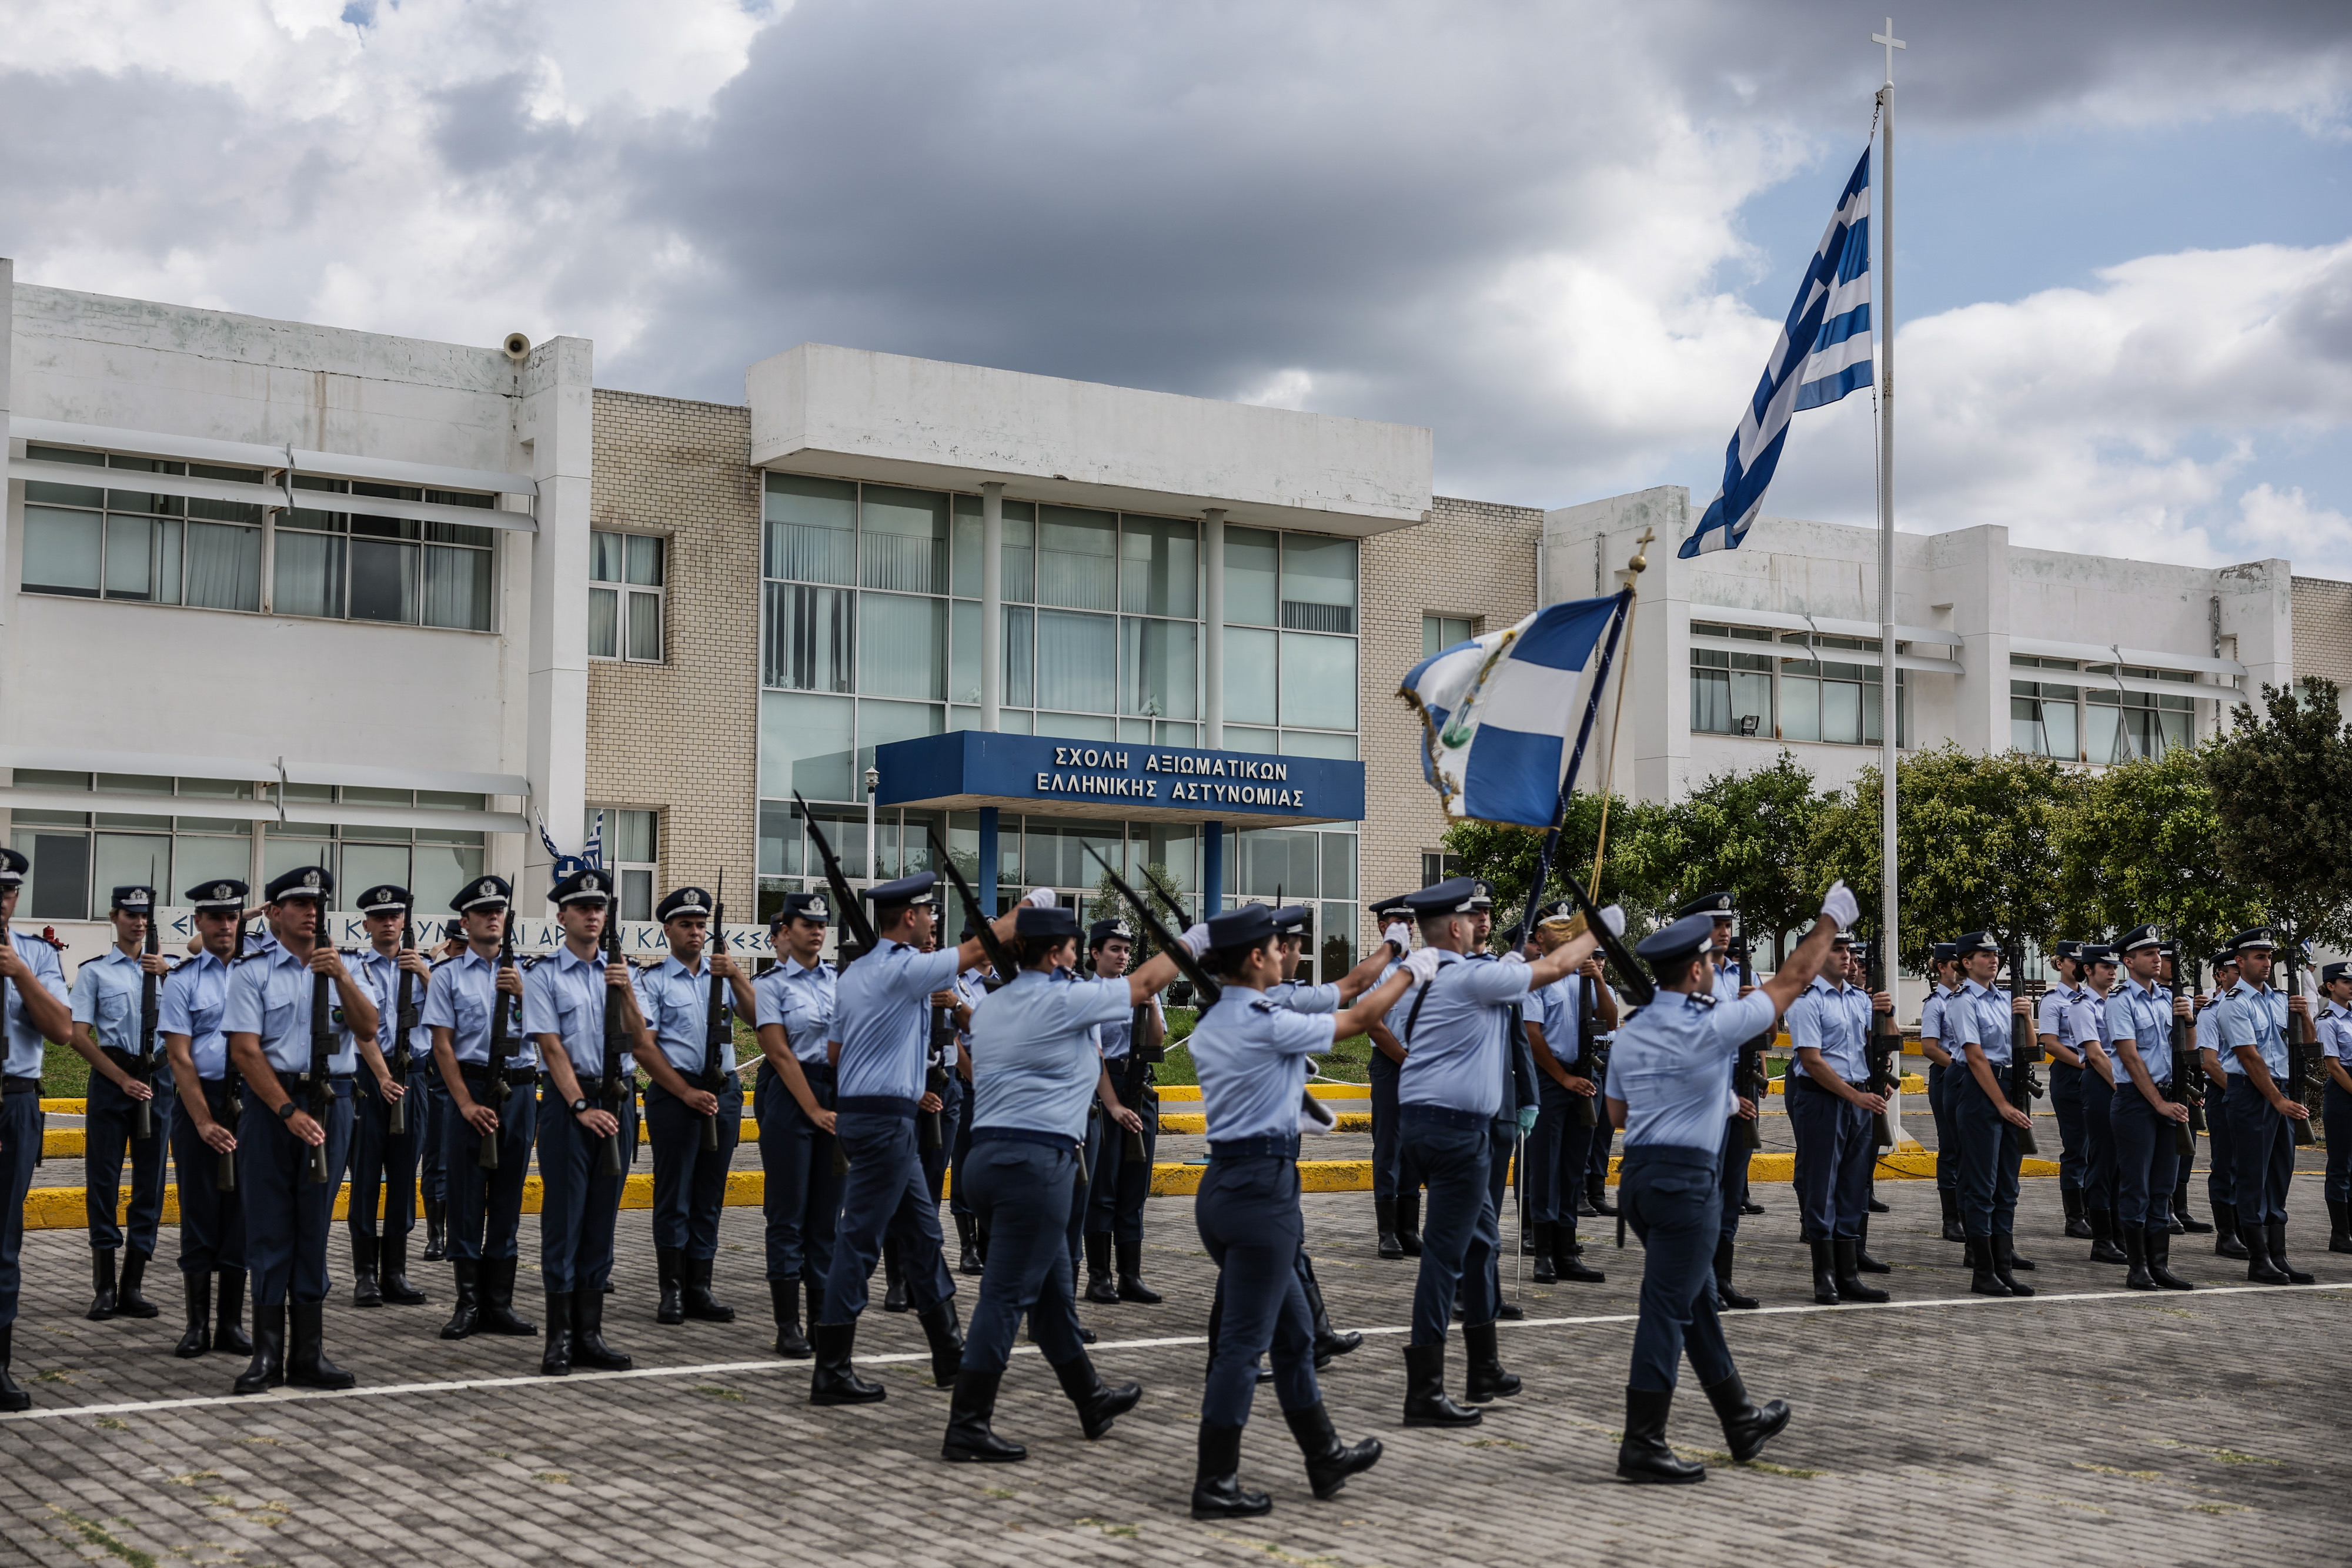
(1330, 1462)
(969, 1438)
(555, 1361)
(101, 1272)
(1384, 1216)
(1131, 1287)
(1538, 1244)
(2187, 1223)
(666, 1308)
(784, 1297)
(1485, 1377)
(833, 1381)
(1825, 1285)
(1863, 1262)
(2227, 1242)
(1731, 1298)
(1408, 1222)
(894, 1286)
(307, 1365)
(2260, 1270)
(2276, 1232)
(1596, 1192)
(1846, 1253)
(11, 1397)
(1425, 1404)
(437, 1229)
(392, 1274)
(2159, 1261)
(1746, 1426)
(1566, 1261)
(1216, 1478)
(1328, 1341)
(1981, 1279)
(199, 1337)
(467, 1315)
(365, 1291)
(700, 1305)
(2006, 1262)
(588, 1346)
(228, 1315)
(945, 1335)
(1098, 1404)
(968, 1244)
(495, 1298)
(2136, 1249)
(2339, 1226)
(2103, 1238)
(268, 1368)
(2076, 1226)
(128, 1301)
(1099, 1288)
(1644, 1457)
(1953, 1230)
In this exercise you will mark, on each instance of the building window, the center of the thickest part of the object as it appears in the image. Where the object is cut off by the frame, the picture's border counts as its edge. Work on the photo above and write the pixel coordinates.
(624, 620)
(1439, 632)
(1797, 695)
(632, 852)
(2086, 719)
(1436, 867)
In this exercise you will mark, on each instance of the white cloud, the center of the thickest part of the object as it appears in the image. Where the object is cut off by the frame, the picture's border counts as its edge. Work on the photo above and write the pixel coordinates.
(1284, 388)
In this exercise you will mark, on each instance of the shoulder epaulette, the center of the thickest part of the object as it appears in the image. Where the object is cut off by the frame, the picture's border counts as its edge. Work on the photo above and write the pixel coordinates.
(1262, 1005)
(531, 961)
(450, 960)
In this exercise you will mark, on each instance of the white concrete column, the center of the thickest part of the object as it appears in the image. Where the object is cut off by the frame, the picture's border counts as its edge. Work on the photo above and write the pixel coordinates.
(558, 420)
(992, 605)
(1979, 590)
(1213, 629)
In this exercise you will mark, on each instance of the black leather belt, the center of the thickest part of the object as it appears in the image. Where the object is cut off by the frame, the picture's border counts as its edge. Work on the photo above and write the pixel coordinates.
(516, 1077)
(1024, 1136)
(1445, 1115)
(21, 1085)
(877, 1105)
(1277, 1146)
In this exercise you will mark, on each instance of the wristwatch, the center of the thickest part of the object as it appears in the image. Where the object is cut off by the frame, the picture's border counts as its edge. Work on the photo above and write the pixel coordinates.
(580, 1105)
(286, 1109)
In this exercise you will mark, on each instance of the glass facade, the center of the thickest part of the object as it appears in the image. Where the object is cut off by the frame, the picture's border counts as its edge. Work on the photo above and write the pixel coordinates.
(2082, 716)
(1787, 691)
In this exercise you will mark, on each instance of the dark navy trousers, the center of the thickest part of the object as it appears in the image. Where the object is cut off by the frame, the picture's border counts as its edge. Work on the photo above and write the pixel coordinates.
(2221, 1156)
(1021, 1190)
(432, 1170)
(1447, 1151)
(802, 1193)
(1248, 1215)
(2147, 1162)
(1732, 1182)
(1941, 1081)
(2335, 1108)
(1604, 1134)
(1669, 1196)
(578, 1203)
(1115, 1199)
(959, 1204)
(1834, 1152)
(2101, 1188)
(384, 1164)
(109, 1123)
(486, 1207)
(288, 1216)
(2066, 1099)
(1555, 1153)
(1988, 1160)
(1384, 1074)
(20, 1146)
(1074, 1232)
(212, 1222)
(886, 1192)
(2263, 1147)
(691, 1181)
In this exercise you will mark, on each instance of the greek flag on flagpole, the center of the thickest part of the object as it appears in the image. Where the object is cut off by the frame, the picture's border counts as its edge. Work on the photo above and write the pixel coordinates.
(1499, 710)
(593, 850)
(1824, 353)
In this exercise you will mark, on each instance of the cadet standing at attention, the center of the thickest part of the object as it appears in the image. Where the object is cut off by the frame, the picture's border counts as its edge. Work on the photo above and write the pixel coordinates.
(476, 995)
(969, 988)
(793, 1105)
(108, 1001)
(1731, 979)
(289, 1212)
(1937, 1044)
(1115, 1195)
(2054, 1023)
(1829, 1112)
(2139, 1031)
(1561, 1144)
(1670, 1088)
(2087, 1024)
(1987, 1021)
(566, 1010)
(204, 1130)
(380, 1158)
(688, 1091)
(2221, 1175)
(2261, 1134)
(1396, 1211)
(2335, 1101)
(34, 1010)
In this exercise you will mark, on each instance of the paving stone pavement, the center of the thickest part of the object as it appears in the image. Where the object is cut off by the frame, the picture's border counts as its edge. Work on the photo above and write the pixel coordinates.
(2203, 1428)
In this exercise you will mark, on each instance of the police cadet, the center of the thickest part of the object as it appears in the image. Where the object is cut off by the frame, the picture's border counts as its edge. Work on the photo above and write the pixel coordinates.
(793, 1103)
(967, 987)
(2087, 1026)
(1830, 1110)
(380, 1158)
(289, 1213)
(2335, 1101)
(565, 1008)
(1252, 1059)
(108, 992)
(2221, 1172)
(2261, 1137)
(881, 1036)
(1936, 1045)
(34, 1010)
(467, 994)
(1457, 1080)
(1561, 1140)
(204, 1135)
(687, 1093)
(1397, 1213)
(1116, 1194)
(1670, 1088)
(2055, 1028)
(1037, 1063)
(1984, 1019)
(2139, 1038)
(1731, 980)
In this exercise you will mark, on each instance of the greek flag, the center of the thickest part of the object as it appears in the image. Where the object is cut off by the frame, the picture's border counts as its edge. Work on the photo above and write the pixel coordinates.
(1499, 711)
(1824, 353)
(593, 853)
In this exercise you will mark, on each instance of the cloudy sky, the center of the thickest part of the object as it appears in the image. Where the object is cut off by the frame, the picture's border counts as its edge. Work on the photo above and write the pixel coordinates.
(1563, 235)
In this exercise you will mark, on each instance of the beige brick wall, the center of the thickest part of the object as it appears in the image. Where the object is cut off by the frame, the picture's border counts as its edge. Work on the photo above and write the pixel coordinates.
(683, 736)
(2323, 629)
(1474, 558)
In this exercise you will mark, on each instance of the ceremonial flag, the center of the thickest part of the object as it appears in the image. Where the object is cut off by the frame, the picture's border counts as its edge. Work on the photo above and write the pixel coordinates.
(593, 850)
(1824, 353)
(1498, 710)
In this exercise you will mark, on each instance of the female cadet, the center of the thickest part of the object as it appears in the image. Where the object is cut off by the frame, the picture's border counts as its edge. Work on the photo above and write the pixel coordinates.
(2335, 1101)
(1250, 1056)
(1987, 1020)
(2088, 1026)
(1944, 960)
(1670, 1089)
(1034, 1066)
(793, 1103)
(2139, 1029)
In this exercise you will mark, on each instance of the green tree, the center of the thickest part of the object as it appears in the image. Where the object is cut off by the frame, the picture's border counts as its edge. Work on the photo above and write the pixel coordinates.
(1506, 855)
(2143, 843)
(1744, 834)
(2282, 801)
(1109, 904)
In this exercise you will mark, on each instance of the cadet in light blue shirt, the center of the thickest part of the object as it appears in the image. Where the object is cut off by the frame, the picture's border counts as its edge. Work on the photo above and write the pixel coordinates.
(204, 1124)
(33, 1010)
(2335, 1032)
(125, 1088)
(1829, 1108)
(1560, 1145)
(1943, 1073)
(389, 1116)
(2139, 1015)
(2086, 1026)
(2261, 1114)
(793, 1103)
(1982, 1021)
(1119, 1183)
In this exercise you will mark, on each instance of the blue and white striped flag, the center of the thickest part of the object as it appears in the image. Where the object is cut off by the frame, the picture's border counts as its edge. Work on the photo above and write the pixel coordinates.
(1499, 709)
(593, 850)
(1824, 353)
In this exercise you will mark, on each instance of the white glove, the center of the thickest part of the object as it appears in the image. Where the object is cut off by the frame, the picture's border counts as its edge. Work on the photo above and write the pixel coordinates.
(1839, 904)
(1196, 940)
(1514, 957)
(1613, 918)
(1039, 897)
(1401, 934)
(1423, 962)
(1314, 1116)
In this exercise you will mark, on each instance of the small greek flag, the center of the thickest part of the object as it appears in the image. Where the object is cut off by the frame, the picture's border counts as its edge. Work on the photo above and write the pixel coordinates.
(593, 852)
(1499, 711)
(1824, 353)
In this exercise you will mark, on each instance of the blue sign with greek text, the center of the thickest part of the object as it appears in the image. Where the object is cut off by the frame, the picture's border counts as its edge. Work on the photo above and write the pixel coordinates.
(969, 769)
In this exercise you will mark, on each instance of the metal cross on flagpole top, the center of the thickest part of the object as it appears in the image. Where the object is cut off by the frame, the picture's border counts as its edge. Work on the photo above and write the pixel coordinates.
(1889, 708)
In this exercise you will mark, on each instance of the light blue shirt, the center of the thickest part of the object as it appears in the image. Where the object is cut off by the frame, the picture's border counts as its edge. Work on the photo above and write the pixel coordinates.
(191, 1003)
(1300, 998)
(2335, 1032)
(2086, 1023)
(459, 1002)
(1251, 1057)
(27, 1047)
(1672, 1066)
(1982, 1016)
(1728, 981)
(566, 994)
(107, 993)
(1033, 1059)
(269, 995)
(2256, 1017)
(1114, 1039)
(882, 1017)
(1835, 1021)
(677, 1003)
(1456, 1055)
(381, 972)
(2056, 1015)
(801, 1000)
(1556, 1009)
(1931, 1013)
(2143, 1015)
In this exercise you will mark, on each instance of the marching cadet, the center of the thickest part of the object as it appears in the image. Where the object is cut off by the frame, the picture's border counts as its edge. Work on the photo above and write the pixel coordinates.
(2261, 1134)
(687, 1092)
(1561, 1141)
(380, 1158)
(204, 1129)
(108, 992)
(971, 1246)
(2139, 1032)
(881, 1030)
(475, 996)
(2335, 1103)
(1670, 1088)
(2056, 1026)
(1988, 1019)
(1397, 1213)
(1457, 1081)
(2087, 1025)
(1115, 1195)
(289, 1212)
(1037, 1063)
(1515, 1114)
(566, 1010)
(2181, 1222)
(1252, 1058)
(944, 1052)
(1830, 1111)
(793, 1105)
(1943, 985)
(2221, 1173)
(34, 1010)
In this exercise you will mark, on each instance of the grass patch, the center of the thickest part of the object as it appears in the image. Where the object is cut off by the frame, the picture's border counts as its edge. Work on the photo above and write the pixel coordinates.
(1350, 1060)
(64, 1075)
(712, 1391)
(96, 1534)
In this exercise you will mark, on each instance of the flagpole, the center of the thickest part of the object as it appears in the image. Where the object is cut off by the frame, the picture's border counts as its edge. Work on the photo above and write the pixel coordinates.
(1889, 709)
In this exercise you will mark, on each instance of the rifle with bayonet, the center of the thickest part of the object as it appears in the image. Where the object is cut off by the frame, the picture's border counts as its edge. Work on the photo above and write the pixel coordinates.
(931, 1123)
(852, 909)
(2024, 1047)
(150, 1003)
(500, 1016)
(1883, 1053)
(616, 1076)
(718, 1017)
(2188, 1070)
(2301, 1051)
(936, 1079)
(2183, 1047)
(323, 1041)
(403, 1021)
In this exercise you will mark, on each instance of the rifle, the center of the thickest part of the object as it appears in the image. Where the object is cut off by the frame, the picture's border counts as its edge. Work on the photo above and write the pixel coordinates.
(1883, 1052)
(931, 1124)
(2189, 1071)
(1207, 989)
(404, 1021)
(322, 1041)
(2024, 1052)
(935, 1079)
(232, 1088)
(2299, 1050)
(499, 1016)
(1748, 1079)
(618, 1081)
(2184, 1051)
(717, 1020)
(852, 909)
(148, 1004)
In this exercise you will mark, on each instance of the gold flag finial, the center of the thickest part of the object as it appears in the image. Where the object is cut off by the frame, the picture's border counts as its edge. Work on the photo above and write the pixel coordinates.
(1641, 561)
